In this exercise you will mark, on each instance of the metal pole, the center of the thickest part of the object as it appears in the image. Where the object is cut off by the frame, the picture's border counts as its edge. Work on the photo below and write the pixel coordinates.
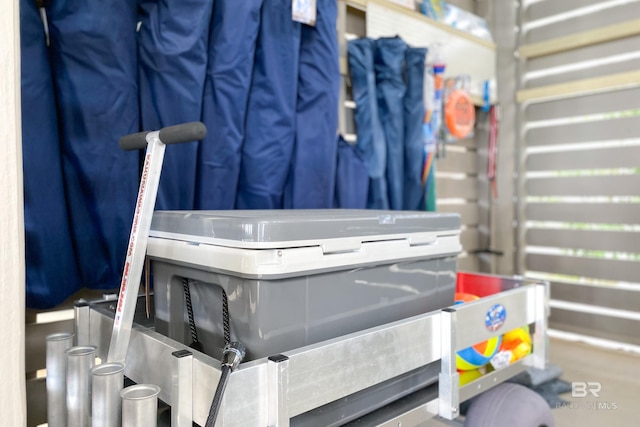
(106, 384)
(80, 360)
(182, 389)
(81, 324)
(140, 405)
(56, 366)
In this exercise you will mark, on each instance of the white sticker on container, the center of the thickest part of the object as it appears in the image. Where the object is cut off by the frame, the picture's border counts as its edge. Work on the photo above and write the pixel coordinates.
(304, 11)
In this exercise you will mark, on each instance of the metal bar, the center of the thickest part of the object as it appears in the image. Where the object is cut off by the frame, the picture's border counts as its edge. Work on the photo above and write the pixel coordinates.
(342, 44)
(413, 417)
(471, 328)
(182, 389)
(328, 371)
(57, 345)
(492, 379)
(136, 248)
(278, 385)
(449, 379)
(107, 381)
(80, 360)
(140, 405)
(540, 351)
(81, 324)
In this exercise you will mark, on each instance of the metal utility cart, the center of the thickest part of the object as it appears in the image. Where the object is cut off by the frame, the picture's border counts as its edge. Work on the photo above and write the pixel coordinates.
(346, 315)
(288, 389)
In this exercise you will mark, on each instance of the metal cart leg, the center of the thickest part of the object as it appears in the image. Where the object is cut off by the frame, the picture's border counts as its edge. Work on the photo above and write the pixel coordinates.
(182, 389)
(539, 359)
(449, 390)
(81, 323)
(278, 382)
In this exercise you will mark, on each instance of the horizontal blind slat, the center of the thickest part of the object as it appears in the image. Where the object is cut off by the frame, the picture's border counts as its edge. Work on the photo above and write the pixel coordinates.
(615, 241)
(457, 188)
(603, 158)
(604, 296)
(610, 328)
(605, 269)
(544, 9)
(584, 73)
(599, 130)
(584, 53)
(578, 24)
(616, 185)
(590, 213)
(462, 162)
(468, 212)
(617, 100)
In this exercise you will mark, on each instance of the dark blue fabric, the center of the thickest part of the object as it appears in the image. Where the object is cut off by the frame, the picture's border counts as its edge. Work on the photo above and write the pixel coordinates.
(172, 46)
(312, 177)
(413, 121)
(51, 269)
(94, 52)
(389, 61)
(232, 45)
(371, 142)
(352, 179)
(270, 122)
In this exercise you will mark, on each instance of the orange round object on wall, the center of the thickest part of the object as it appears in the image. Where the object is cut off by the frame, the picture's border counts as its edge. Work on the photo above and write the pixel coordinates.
(459, 114)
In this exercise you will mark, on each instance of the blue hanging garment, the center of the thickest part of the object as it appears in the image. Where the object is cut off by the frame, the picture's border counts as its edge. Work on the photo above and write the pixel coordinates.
(371, 143)
(51, 269)
(352, 179)
(172, 46)
(270, 122)
(232, 45)
(389, 61)
(313, 168)
(413, 122)
(94, 60)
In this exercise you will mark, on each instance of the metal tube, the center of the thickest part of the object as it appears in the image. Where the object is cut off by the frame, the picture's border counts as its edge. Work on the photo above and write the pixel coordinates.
(140, 405)
(80, 360)
(106, 384)
(56, 366)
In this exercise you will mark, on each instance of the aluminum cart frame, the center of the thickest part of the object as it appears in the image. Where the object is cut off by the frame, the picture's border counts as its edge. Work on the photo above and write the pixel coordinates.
(271, 391)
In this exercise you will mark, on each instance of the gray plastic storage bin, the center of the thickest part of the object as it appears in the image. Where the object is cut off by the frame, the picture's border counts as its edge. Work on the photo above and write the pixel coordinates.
(297, 277)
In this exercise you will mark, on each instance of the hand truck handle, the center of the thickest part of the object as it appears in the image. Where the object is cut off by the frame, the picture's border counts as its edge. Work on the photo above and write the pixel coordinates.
(186, 132)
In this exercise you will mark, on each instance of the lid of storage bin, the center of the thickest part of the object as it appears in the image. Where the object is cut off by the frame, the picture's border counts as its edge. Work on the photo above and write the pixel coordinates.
(264, 229)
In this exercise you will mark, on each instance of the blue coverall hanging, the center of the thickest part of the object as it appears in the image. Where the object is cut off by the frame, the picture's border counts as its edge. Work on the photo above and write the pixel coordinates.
(232, 45)
(95, 63)
(270, 122)
(413, 121)
(371, 141)
(172, 47)
(352, 180)
(51, 269)
(389, 61)
(313, 169)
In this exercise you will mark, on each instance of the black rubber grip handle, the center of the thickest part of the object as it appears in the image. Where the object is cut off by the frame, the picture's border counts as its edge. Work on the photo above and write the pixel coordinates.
(186, 132)
(134, 141)
(193, 131)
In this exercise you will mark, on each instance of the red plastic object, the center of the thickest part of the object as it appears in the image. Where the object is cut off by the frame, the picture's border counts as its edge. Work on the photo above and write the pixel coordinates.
(477, 284)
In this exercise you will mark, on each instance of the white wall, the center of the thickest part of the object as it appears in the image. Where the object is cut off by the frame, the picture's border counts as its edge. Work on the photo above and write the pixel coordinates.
(12, 389)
